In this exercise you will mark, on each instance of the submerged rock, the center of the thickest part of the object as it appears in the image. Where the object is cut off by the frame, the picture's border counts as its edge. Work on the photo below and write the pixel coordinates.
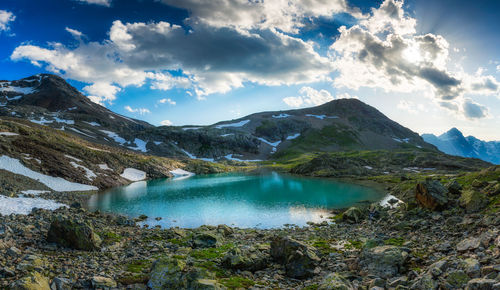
(73, 233)
(431, 194)
(299, 259)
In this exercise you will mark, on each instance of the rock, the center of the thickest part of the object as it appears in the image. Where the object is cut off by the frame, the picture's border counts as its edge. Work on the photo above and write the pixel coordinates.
(73, 233)
(244, 260)
(353, 215)
(473, 201)
(457, 279)
(61, 284)
(480, 284)
(35, 281)
(471, 267)
(299, 259)
(493, 190)
(478, 183)
(431, 194)
(384, 261)
(206, 284)
(468, 244)
(225, 230)
(13, 252)
(167, 273)
(99, 282)
(335, 282)
(425, 281)
(205, 240)
(454, 187)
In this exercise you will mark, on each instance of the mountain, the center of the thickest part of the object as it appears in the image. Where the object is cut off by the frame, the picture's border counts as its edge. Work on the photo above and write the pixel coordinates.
(453, 142)
(346, 124)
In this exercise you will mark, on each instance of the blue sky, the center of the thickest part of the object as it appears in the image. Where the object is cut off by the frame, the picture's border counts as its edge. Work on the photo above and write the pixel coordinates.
(429, 65)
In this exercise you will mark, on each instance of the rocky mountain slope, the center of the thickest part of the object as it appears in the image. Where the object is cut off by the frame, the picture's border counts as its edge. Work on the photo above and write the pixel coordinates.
(346, 124)
(454, 142)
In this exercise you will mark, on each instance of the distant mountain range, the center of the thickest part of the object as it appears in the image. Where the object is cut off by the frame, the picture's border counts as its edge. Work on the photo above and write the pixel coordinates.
(344, 124)
(453, 142)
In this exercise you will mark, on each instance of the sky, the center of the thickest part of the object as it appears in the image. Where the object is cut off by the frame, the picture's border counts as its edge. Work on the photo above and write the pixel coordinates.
(428, 65)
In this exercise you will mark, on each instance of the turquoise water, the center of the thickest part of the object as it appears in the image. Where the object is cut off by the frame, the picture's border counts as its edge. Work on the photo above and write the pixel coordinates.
(242, 200)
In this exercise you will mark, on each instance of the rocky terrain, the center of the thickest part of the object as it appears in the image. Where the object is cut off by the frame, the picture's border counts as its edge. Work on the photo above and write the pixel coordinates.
(438, 232)
(453, 142)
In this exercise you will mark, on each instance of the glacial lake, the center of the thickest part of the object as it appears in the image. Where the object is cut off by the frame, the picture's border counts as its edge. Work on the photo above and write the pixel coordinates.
(235, 199)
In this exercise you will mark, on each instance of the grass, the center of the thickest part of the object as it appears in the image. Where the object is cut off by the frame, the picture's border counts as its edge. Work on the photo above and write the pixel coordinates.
(236, 282)
(109, 238)
(394, 242)
(211, 253)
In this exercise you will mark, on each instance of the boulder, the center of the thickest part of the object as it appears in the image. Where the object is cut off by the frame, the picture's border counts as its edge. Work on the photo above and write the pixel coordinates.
(245, 260)
(73, 233)
(431, 194)
(468, 244)
(173, 273)
(454, 187)
(473, 200)
(457, 279)
(352, 215)
(335, 281)
(384, 261)
(299, 259)
(205, 240)
(60, 283)
(35, 281)
(480, 284)
(471, 267)
(425, 281)
(99, 282)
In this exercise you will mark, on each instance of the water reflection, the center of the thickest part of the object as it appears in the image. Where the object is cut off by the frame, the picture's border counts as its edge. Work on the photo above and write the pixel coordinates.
(263, 201)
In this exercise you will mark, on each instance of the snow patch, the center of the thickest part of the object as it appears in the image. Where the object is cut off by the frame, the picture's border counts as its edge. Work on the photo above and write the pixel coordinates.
(225, 135)
(273, 144)
(95, 124)
(79, 132)
(24, 91)
(368, 167)
(13, 98)
(237, 124)
(24, 205)
(230, 157)
(8, 134)
(190, 128)
(72, 158)
(55, 183)
(69, 122)
(181, 174)
(133, 174)
(104, 166)
(140, 145)
(157, 142)
(114, 136)
(88, 173)
(321, 117)
(192, 156)
(281, 116)
(34, 191)
(42, 121)
(294, 136)
(385, 201)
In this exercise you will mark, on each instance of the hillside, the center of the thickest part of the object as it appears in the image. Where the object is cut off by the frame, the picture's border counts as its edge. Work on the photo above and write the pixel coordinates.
(453, 142)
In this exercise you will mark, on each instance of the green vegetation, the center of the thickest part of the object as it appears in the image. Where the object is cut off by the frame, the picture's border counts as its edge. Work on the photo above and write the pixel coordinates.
(237, 282)
(394, 241)
(109, 237)
(211, 253)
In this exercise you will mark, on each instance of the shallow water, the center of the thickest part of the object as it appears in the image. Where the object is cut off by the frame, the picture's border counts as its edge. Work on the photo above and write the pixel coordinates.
(236, 199)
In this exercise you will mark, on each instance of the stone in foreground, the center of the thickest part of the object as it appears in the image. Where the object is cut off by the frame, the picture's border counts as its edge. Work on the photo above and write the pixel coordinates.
(384, 261)
(431, 194)
(299, 259)
(73, 233)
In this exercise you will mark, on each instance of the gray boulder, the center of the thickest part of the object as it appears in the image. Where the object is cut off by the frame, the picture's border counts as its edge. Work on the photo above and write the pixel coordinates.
(299, 259)
(335, 281)
(353, 215)
(205, 240)
(384, 261)
(246, 260)
(73, 233)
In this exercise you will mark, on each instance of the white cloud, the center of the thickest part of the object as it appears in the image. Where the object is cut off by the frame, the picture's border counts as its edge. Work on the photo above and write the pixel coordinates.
(106, 3)
(309, 97)
(384, 51)
(212, 60)
(6, 18)
(167, 101)
(346, 96)
(141, 111)
(166, 123)
(473, 110)
(285, 15)
(498, 68)
(76, 34)
(101, 92)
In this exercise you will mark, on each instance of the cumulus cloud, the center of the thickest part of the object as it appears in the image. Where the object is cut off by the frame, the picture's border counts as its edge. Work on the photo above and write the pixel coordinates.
(141, 111)
(6, 18)
(309, 97)
(106, 3)
(101, 92)
(384, 51)
(286, 15)
(211, 60)
(166, 123)
(167, 101)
